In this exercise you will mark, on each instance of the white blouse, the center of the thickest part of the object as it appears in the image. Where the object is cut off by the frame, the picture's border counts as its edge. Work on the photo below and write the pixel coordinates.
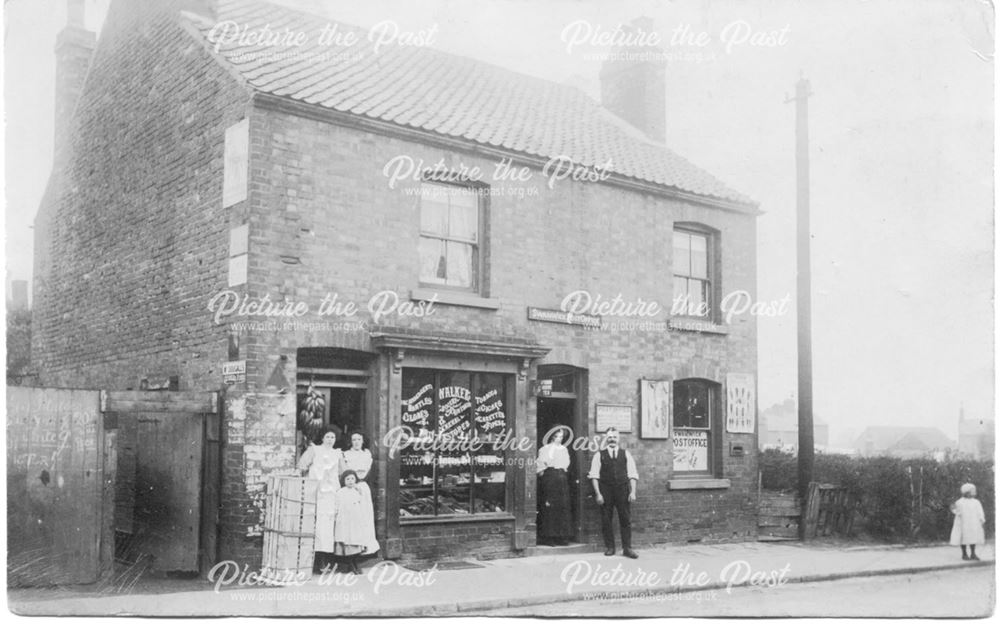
(358, 461)
(552, 455)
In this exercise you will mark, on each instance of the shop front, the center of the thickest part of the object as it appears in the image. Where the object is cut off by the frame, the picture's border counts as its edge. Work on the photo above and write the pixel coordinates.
(450, 422)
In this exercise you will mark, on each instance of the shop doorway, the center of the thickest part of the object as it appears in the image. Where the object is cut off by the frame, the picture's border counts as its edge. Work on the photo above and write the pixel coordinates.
(332, 389)
(560, 401)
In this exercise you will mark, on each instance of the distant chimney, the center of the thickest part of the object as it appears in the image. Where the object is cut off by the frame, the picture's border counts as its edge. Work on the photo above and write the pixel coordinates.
(74, 48)
(636, 89)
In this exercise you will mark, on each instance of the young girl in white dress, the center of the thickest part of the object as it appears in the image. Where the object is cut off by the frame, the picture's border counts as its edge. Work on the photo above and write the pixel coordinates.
(969, 520)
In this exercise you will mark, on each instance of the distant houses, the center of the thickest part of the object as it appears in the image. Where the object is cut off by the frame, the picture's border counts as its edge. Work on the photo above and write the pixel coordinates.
(779, 428)
(904, 442)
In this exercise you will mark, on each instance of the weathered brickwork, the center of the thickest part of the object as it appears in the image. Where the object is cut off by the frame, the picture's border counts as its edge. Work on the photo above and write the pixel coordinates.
(133, 243)
(324, 221)
(131, 238)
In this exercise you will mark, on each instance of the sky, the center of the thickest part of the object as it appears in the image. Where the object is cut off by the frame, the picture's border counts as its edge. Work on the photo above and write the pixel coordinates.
(901, 132)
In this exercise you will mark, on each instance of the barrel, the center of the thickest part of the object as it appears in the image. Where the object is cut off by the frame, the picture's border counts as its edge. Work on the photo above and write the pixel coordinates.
(289, 529)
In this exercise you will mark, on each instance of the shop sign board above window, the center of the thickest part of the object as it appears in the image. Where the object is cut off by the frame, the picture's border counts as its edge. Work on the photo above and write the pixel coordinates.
(566, 318)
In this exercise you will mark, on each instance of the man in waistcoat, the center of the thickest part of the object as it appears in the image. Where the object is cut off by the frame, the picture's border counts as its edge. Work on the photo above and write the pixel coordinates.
(613, 475)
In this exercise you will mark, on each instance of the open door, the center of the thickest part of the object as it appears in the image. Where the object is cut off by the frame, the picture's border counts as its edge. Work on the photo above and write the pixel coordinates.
(168, 472)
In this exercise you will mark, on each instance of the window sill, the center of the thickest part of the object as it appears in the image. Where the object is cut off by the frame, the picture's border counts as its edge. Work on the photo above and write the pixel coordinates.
(446, 297)
(703, 483)
(482, 517)
(684, 323)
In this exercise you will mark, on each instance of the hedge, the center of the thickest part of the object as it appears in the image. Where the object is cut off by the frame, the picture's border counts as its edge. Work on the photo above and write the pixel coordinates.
(897, 499)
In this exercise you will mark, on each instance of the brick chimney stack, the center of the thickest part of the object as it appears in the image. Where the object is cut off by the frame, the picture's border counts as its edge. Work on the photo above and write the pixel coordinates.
(74, 49)
(636, 89)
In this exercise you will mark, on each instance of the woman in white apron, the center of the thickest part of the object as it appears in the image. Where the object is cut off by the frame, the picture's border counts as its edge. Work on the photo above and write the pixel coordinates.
(322, 461)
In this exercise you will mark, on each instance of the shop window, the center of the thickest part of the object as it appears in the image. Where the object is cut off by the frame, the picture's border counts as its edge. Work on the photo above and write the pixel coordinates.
(697, 429)
(451, 237)
(694, 252)
(455, 463)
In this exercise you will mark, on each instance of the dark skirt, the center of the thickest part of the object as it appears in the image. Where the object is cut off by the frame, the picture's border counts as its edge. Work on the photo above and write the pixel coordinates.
(553, 505)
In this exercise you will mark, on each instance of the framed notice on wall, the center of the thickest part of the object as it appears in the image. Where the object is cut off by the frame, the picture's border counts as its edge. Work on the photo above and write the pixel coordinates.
(610, 415)
(741, 403)
(654, 399)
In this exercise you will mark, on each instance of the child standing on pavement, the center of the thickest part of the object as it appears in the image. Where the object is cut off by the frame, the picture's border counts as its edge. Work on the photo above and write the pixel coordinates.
(969, 520)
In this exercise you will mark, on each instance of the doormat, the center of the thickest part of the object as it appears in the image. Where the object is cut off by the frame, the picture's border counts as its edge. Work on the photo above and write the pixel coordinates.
(443, 565)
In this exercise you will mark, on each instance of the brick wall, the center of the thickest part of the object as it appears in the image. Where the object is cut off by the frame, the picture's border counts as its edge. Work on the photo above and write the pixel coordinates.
(482, 540)
(323, 220)
(131, 238)
(133, 241)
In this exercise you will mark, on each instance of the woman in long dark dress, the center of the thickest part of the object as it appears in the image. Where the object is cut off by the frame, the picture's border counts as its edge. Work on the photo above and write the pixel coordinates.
(553, 491)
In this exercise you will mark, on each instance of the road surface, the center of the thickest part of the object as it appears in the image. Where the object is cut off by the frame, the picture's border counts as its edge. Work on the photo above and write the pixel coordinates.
(951, 593)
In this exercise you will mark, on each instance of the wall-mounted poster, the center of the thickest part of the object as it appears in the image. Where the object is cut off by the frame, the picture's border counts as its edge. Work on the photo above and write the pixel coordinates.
(741, 403)
(617, 416)
(690, 450)
(655, 405)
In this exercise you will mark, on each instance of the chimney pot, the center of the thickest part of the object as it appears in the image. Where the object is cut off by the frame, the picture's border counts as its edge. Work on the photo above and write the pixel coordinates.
(636, 90)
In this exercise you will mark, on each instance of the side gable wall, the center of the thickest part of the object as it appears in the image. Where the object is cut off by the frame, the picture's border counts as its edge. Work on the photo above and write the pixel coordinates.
(131, 237)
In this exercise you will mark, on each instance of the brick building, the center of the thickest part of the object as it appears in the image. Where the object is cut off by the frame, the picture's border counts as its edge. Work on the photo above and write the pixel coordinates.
(225, 215)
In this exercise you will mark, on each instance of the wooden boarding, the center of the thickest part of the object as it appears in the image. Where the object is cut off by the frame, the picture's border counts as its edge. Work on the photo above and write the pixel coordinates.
(128, 401)
(830, 510)
(289, 527)
(778, 517)
(168, 489)
(55, 486)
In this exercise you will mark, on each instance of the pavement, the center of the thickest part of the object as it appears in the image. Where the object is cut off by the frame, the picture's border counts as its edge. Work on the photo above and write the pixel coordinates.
(550, 575)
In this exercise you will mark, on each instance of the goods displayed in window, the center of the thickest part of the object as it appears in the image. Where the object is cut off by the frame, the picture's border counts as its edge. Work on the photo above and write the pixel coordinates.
(453, 463)
(695, 401)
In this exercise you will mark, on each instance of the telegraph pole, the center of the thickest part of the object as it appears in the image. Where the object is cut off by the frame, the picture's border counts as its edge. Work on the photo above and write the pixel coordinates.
(803, 295)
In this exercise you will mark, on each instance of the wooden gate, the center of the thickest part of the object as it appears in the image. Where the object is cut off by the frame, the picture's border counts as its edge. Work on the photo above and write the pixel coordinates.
(57, 522)
(167, 495)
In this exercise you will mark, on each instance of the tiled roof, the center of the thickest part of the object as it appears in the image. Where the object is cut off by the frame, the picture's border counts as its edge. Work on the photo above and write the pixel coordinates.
(454, 96)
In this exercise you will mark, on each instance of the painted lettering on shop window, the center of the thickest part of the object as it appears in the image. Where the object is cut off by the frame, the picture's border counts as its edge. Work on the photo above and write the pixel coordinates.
(490, 417)
(414, 408)
(453, 406)
(690, 450)
(452, 413)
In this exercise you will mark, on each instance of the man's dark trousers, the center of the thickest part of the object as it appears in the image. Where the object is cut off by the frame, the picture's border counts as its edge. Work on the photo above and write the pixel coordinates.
(614, 486)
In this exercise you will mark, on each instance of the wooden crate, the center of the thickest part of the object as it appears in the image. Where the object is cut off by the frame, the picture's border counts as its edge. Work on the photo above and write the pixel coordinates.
(289, 528)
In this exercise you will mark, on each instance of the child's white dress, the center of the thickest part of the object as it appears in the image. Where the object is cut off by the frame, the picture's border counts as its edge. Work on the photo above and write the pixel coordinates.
(969, 519)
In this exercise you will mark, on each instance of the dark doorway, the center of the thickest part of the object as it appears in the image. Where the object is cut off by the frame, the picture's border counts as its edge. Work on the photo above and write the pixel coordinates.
(554, 413)
(339, 379)
(167, 477)
(559, 405)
